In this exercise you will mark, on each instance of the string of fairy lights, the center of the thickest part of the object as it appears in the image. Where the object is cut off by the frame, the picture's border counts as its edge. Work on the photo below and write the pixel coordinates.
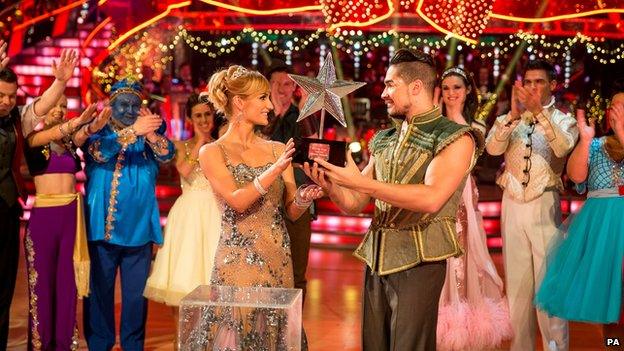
(357, 42)
(156, 48)
(559, 48)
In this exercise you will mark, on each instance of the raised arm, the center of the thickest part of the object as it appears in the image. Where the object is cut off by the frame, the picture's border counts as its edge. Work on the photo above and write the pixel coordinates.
(560, 130)
(104, 147)
(62, 130)
(82, 134)
(162, 147)
(578, 162)
(498, 137)
(213, 165)
(62, 71)
(444, 175)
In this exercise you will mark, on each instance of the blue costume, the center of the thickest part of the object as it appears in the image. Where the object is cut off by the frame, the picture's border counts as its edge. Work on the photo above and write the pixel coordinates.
(122, 219)
(583, 280)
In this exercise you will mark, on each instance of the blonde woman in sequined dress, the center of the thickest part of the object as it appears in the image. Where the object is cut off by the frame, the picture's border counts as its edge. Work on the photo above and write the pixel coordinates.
(255, 185)
(473, 312)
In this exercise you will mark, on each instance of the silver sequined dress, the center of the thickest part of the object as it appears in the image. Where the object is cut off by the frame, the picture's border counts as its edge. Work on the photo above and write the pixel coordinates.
(253, 251)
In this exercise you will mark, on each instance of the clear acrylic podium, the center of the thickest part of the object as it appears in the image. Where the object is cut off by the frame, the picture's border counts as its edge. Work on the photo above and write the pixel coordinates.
(220, 318)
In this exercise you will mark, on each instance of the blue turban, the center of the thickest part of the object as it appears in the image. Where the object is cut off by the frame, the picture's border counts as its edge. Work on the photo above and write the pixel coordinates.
(127, 85)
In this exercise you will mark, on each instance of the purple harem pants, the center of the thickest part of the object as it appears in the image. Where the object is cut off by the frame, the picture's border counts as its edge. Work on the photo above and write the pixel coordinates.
(49, 245)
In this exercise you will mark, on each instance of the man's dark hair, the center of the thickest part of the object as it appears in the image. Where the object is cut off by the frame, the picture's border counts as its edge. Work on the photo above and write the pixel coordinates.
(415, 65)
(276, 65)
(7, 75)
(542, 65)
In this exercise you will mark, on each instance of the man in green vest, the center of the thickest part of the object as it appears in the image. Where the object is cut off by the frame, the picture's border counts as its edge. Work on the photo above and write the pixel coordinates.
(416, 175)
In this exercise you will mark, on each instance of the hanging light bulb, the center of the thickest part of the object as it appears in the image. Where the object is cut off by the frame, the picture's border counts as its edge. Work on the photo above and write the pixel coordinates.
(567, 72)
(254, 54)
(288, 52)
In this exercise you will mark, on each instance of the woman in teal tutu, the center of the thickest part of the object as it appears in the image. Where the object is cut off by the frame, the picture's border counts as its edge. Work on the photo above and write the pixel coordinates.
(583, 280)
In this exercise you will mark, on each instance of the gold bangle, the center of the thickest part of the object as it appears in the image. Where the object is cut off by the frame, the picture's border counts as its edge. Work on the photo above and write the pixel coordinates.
(63, 130)
(160, 146)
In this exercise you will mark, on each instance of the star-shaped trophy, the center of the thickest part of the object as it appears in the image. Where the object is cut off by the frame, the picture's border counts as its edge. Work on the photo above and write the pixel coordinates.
(324, 93)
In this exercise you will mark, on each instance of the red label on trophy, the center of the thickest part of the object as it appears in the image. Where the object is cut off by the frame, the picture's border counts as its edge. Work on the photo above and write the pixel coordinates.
(621, 190)
(317, 150)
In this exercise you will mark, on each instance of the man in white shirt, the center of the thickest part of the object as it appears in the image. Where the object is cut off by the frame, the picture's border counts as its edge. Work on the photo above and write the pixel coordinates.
(535, 138)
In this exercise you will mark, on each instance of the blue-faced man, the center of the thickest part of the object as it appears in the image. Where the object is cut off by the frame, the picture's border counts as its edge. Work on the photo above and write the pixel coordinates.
(122, 162)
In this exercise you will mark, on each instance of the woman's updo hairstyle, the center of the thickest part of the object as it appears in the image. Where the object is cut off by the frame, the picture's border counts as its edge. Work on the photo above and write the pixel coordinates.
(232, 81)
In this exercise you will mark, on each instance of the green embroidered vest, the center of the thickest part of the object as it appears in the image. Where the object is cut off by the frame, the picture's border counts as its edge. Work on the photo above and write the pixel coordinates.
(399, 239)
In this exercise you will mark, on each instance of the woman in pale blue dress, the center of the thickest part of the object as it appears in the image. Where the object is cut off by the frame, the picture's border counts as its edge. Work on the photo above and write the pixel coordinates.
(583, 281)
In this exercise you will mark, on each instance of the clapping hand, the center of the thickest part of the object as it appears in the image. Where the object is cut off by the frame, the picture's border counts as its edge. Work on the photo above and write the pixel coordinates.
(146, 123)
(100, 121)
(87, 115)
(529, 99)
(587, 131)
(616, 117)
(516, 107)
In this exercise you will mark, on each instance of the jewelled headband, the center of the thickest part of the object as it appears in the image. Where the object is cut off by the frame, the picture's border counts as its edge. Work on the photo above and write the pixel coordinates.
(240, 71)
(125, 91)
(455, 70)
(127, 85)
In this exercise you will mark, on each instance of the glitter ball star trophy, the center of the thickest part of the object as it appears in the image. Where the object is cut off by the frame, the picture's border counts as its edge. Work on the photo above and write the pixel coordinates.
(324, 93)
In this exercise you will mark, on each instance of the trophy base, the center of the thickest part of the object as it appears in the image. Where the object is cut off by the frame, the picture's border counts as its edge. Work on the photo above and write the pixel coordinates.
(332, 151)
